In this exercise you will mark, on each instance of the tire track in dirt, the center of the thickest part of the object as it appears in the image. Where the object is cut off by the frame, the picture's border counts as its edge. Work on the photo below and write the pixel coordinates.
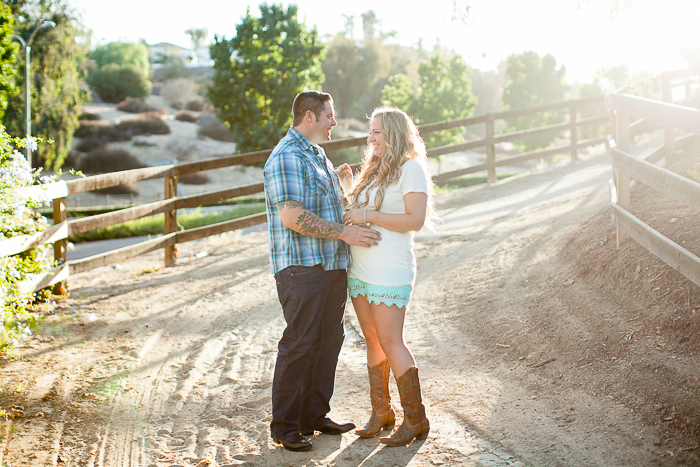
(177, 380)
(200, 388)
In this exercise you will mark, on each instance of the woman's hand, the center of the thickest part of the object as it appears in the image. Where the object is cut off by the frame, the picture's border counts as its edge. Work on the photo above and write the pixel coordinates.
(344, 176)
(354, 216)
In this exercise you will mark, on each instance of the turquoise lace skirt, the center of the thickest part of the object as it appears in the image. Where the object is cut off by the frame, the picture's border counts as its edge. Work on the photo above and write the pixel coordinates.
(398, 296)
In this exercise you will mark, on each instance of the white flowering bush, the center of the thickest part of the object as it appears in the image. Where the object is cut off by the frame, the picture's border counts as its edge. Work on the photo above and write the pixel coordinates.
(17, 217)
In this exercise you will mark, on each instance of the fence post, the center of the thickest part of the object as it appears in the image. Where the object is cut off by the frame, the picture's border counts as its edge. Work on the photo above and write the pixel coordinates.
(613, 124)
(490, 151)
(622, 180)
(669, 131)
(60, 253)
(573, 131)
(170, 224)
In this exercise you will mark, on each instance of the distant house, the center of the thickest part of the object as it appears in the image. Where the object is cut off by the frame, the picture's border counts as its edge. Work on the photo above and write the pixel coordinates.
(164, 52)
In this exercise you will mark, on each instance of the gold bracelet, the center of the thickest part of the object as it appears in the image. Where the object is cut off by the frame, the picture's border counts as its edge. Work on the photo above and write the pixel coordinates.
(364, 217)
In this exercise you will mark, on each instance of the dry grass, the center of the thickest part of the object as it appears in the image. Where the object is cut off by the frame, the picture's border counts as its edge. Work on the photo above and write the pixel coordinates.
(186, 116)
(134, 105)
(145, 124)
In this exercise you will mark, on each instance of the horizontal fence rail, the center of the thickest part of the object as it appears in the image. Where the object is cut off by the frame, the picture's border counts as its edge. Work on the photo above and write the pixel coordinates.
(682, 118)
(63, 228)
(627, 168)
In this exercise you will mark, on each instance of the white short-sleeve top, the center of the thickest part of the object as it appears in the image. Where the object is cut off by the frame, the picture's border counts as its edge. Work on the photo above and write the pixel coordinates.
(392, 262)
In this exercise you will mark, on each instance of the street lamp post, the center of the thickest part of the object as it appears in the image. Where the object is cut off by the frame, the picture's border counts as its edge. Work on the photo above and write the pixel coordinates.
(28, 92)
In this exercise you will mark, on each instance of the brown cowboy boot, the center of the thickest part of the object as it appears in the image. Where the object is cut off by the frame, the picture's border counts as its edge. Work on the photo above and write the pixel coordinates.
(382, 413)
(415, 424)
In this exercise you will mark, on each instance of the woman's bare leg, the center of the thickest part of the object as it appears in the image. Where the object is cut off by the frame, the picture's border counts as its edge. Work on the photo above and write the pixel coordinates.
(375, 354)
(388, 325)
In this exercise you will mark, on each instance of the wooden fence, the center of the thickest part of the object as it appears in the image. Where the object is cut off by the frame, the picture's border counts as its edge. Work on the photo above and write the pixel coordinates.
(62, 228)
(673, 118)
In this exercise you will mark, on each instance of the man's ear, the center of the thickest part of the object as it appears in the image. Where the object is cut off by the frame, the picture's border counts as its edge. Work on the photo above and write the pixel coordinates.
(310, 116)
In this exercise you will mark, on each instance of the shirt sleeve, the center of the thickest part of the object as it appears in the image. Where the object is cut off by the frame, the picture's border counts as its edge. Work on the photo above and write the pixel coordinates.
(414, 178)
(284, 177)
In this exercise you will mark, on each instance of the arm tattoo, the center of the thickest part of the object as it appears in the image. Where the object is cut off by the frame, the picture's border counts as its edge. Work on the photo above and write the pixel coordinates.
(310, 224)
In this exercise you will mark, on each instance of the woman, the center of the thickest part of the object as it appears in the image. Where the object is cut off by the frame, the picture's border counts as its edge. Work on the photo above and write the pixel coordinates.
(392, 193)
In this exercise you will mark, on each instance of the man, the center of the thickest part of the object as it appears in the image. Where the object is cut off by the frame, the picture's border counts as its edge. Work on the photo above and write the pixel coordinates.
(309, 257)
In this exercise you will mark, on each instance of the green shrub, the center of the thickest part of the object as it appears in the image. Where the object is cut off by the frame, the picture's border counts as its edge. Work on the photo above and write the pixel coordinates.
(185, 116)
(149, 123)
(134, 105)
(123, 53)
(105, 160)
(114, 82)
(19, 216)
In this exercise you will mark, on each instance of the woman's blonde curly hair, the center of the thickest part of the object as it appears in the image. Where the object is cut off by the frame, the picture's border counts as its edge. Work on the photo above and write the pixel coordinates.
(402, 143)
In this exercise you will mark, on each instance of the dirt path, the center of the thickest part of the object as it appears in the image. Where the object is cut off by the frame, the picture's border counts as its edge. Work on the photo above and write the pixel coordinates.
(152, 367)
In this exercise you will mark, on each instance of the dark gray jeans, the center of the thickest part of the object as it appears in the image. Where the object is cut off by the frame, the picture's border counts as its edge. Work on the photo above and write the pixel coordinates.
(313, 303)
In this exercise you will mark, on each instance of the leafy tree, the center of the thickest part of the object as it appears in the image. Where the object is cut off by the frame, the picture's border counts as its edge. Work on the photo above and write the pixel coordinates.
(125, 54)
(8, 57)
(443, 93)
(357, 70)
(399, 92)
(618, 78)
(58, 64)
(258, 73)
(591, 110)
(352, 71)
(369, 25)
(614, 77)
(533, 80)
(488, 87)
(340, 69)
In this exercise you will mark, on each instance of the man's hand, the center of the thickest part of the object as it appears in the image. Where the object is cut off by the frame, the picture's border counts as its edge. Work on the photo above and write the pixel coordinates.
(359, 235)
(296, 217)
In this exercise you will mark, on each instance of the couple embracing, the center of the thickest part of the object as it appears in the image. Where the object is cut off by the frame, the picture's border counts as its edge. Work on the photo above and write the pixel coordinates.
(331, 232)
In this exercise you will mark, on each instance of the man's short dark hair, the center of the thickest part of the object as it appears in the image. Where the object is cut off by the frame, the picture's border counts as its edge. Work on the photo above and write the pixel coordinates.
(314, 101)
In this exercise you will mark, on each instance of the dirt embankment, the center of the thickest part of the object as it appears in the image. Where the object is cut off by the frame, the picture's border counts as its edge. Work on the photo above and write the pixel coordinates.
(538, 343)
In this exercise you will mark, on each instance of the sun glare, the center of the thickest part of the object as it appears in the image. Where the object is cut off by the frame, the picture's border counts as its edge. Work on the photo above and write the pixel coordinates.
(581, 35)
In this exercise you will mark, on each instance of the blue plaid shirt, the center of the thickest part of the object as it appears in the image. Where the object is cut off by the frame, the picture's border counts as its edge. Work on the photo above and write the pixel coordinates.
(294, 172)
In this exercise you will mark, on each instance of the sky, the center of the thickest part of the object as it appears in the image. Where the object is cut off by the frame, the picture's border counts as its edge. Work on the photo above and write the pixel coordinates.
(581, 34)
